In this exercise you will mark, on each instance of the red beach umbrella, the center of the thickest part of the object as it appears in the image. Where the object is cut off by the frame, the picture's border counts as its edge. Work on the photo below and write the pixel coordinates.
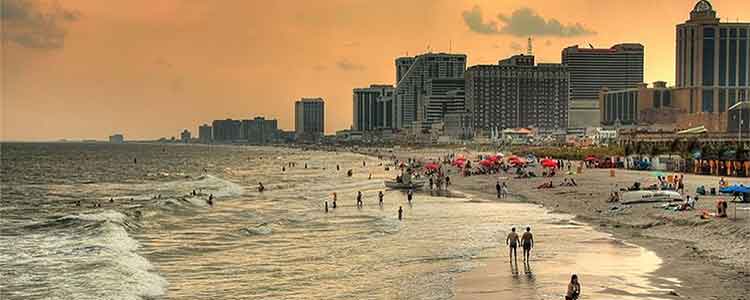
(548, 163)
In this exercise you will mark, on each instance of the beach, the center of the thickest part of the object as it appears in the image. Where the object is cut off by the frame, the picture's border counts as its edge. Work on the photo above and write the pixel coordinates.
(709, 257)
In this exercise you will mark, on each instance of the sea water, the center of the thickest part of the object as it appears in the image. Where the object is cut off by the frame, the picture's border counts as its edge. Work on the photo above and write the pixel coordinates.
(141, 233)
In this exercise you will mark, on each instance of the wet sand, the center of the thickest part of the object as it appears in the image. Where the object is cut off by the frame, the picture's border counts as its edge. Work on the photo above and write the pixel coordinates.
(710, 259)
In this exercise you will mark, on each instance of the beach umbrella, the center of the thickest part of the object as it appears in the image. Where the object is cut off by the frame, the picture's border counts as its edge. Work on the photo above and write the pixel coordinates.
(487, 163)
(548, 163)
(432, 166)
(735, 189)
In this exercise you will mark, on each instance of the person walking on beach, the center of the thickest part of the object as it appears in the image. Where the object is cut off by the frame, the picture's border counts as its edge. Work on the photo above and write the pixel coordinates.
(574, 288)
(380, 198)
(400, 213)
(409, 195)
(326, 206)
(359, 199)
(498, 188)
(512, 242)
(527, 242)
(334, 200)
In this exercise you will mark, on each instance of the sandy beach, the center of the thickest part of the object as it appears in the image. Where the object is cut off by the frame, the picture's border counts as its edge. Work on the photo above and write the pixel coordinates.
(710, 257)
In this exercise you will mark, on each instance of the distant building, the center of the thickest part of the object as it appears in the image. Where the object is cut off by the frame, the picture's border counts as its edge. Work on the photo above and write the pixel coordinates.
(639, 106)
(516, 93)
(226, 130)
(205, 134)
(373, 107)
(584, 114)
(712, 66)
(412, 74)
(185, 136)
(309, 118)
(259, 130)
(443, 96)
(458, 125)
(116, 138)
(616, 68)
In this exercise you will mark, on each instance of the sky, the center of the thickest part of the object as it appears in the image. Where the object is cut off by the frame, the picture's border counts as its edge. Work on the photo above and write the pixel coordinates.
(85, 69)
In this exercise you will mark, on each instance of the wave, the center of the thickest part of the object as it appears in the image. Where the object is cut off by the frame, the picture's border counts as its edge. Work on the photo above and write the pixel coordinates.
(82, 256)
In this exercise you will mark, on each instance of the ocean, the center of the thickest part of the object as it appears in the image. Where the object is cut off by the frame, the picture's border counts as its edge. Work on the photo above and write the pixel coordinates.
(101, 221)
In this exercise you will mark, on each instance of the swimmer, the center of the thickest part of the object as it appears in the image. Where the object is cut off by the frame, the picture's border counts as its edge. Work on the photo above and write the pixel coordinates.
(400, 213)
(527, 242)
(111, 200)
(380, 198)
(512, 242)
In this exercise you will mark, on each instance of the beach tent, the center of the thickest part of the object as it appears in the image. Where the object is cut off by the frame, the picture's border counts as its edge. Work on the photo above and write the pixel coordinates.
(735, 189)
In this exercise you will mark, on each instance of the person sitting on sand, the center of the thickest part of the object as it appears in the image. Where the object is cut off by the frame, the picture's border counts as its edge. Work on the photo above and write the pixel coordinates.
(574, 288)
(722, 182)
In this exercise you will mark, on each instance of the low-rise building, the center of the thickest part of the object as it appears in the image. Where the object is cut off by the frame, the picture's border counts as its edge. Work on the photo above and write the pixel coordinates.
(185, 136)
(116, 138)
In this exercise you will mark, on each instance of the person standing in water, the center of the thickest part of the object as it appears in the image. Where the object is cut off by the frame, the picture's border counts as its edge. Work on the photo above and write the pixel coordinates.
(527, 242)
(400, 213)
(574, 288)
(380, 198)
(326, 206)
(334, 200)
(338, 168)
(261, 188)
(512, 242)
(409, 195)
(359, 199)
(210, 200)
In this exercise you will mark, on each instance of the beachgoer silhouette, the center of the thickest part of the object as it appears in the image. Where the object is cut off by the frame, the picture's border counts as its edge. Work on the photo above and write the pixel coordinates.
(326, 206)
(359, 199)
(574, 288)
(512, 242)
(409, 195)
(380, 198)
(261, 188)
(400, 213)
(527, 242)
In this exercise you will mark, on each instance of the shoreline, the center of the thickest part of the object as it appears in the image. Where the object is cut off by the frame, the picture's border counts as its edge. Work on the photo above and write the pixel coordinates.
(709, 257)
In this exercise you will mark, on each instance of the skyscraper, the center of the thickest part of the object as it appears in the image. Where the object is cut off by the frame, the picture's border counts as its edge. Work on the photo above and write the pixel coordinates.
(226, 130)
(712, 61)
(205, 134)
(443, 96)
(516, 93)
(412, 74)
(616, 68)
(373, 107)
(309, 118)
(259, 130)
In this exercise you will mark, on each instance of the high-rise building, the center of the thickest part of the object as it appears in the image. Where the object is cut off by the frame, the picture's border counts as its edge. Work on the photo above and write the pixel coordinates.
(205, 134)
(309, 118)
(226, 130)
(412, 73)
(373, 107)
(443, 96)
(616, 68)
(116, 138)
(712, 63)
(259, 130)
(516, 93)
(185, 136)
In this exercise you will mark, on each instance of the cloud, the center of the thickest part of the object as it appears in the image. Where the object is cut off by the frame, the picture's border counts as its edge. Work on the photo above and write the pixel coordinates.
(32, 24)
(522, 22)
(347, 65)
(515, 46)
(473, 19)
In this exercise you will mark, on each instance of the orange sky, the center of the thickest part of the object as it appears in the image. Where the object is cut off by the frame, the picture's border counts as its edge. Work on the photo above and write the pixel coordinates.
(152, 68)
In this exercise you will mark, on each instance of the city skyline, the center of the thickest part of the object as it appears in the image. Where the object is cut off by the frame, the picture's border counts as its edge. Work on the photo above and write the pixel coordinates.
(151, 70)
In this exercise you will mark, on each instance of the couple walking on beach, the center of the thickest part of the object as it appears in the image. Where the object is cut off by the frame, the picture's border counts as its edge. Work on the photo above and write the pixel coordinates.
(526, 241)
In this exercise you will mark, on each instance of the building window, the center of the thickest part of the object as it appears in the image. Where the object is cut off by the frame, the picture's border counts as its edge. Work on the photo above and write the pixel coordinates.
(723, 59)
(692, 55)
(666, 98)
(708, 56)
(743, 61)
(732, 62)
(722, 100)
(708, 101)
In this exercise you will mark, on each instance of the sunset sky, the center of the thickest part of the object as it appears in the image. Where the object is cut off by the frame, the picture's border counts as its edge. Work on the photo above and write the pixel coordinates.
(150, 68)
